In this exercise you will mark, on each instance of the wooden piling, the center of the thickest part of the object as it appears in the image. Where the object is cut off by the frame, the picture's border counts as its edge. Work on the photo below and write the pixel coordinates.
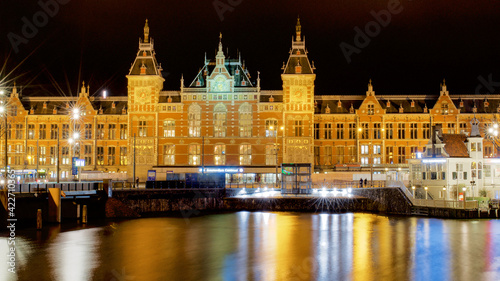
(84, 214)
(39, 219)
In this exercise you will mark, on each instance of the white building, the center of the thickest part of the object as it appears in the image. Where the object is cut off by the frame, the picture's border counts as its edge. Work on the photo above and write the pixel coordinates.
(456, 161)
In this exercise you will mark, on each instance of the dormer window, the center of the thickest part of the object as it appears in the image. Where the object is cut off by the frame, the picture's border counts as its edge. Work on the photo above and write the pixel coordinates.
(32, 111)
(486, 103)
(388, 104)
(113, 105)
(426, 110)
(298, 69)
(327, 109)
(124, 110)
(298, 52)
(143, 69)
(401, 109)
(67, 105)
(474, 109)
(237, 72)
(271, 99)
(243, 83)
(412, 103)
(371, 109)
(44, 105)
(351, 110)
(100, 110)
(198, 83)
(461, 103)
(339, 104)
(169, 99)
(144, 54)
(444, 109)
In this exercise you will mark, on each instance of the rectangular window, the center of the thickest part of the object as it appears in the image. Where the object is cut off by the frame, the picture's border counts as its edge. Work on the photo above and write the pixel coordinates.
(339, 153)
(220, 124)
(245, 154)
(389, 155)
(413, 131)
(100, 131)
(65, 131)
(401, 154)
(168, 128)
(365, 131)
(451, 128)
(463, 128)
(371, 108)
(377, 149)
(316, 131)
(340, 131)
(426, 130)
(19, 131)
(100, 155)
(328, 155)
(194, 123)
(245, 124)
(401, 131)
(111, 155)
(298, 128)
(376, 131)
(413, 151)
(194, 152)
(88, 131)
(111, 131)
(65, 155)
(365, 160)
(123, 131)
(53, 131)
(352, 131)
(388, 131)
(328, 131)
(53, 155)
(123, 156)
(220, 154)
(42, 155)
(143, 130)
(365, 149)
(42, 134)
(169, 154)
(317, 155)
(271, 127)
(270, 154)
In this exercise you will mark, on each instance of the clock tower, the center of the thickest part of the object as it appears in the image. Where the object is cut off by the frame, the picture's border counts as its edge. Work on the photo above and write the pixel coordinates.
(298, 103)
(145, 82)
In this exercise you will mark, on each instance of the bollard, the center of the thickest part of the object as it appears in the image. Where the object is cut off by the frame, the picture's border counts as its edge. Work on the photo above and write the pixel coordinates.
(84, 215)
(78, 211)
(39, 219)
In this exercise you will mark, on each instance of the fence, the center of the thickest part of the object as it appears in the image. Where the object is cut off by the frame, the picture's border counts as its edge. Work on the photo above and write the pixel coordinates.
(43, 187)
(452, 204)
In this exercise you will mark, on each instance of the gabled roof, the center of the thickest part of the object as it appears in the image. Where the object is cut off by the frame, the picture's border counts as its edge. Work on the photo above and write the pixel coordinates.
(454, 145)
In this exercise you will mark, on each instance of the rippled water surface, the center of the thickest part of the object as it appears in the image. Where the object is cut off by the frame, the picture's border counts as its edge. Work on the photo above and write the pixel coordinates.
(262, 246)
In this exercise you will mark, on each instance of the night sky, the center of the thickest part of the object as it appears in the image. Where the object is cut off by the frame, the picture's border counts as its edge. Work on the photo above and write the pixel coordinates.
(96, 41)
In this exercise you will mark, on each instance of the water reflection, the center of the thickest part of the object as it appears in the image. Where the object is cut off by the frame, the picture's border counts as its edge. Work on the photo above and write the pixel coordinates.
(264, 246)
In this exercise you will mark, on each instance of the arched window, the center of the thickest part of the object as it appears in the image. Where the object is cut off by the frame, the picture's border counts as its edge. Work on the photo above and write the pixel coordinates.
(220, 113)
(194, 120)
(245, 120)
(219, 154)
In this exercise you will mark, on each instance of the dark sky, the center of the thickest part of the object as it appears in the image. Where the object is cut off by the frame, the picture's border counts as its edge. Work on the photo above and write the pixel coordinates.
(96, 41)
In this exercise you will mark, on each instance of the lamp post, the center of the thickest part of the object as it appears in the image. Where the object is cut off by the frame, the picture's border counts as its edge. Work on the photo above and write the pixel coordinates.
(425, 192)
(444, 193)
(465, 198)
(413, 191)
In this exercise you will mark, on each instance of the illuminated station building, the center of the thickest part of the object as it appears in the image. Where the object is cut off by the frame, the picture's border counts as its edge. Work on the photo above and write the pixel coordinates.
(222, 121)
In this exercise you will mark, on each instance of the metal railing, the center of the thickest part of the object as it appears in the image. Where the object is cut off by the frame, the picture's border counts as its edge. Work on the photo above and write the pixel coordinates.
(43, 187)
(451, 204)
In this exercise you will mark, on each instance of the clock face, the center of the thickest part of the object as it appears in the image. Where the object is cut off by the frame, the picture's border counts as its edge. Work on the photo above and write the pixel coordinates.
(220, 84)
(298, 95)
(142, 96)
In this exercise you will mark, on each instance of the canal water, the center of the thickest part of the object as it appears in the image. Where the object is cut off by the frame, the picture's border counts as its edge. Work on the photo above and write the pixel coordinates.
(261, 246)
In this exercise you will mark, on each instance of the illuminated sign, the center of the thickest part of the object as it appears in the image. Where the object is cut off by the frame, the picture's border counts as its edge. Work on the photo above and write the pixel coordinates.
(80, 163)
(222, 170)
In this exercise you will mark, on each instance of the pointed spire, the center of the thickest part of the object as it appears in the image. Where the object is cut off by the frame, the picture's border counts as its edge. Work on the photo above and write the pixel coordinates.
(14, 90)
(83, 90)
(258, 79)
(146, 32)
(444, 91)
(298, 30)
(220, 58)
(182, 81)
(370, 91)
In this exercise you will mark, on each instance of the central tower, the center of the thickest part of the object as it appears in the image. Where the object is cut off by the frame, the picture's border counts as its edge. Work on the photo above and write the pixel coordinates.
(298, 101)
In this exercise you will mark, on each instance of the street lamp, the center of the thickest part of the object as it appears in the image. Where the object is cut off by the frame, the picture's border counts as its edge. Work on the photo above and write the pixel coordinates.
(413, 190)
(492, 133)
(444, 193)
(425, 192)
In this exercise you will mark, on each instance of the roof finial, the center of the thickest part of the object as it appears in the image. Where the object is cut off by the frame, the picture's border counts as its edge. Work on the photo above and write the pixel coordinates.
(220, 42)
(146, 32)
(298, 30)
